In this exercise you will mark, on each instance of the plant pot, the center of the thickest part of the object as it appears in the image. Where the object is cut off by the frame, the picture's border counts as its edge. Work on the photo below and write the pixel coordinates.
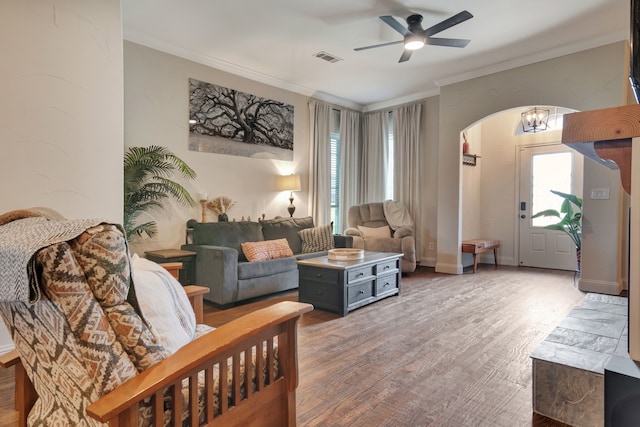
(223, 218)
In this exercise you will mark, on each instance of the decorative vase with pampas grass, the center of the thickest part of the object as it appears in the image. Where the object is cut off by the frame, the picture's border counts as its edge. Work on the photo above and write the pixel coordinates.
(220, 206)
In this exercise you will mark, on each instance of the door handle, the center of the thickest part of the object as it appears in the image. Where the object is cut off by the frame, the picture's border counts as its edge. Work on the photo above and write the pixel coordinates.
(523, 216)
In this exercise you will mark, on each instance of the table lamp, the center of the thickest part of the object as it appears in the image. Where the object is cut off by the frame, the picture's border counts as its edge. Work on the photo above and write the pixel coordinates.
(289, 183)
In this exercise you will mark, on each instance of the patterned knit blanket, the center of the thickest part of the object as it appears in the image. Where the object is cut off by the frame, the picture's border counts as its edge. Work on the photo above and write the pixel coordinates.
(20, 240)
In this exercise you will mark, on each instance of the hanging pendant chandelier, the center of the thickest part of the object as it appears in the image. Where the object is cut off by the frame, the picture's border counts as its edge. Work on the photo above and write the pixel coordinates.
(535, 120)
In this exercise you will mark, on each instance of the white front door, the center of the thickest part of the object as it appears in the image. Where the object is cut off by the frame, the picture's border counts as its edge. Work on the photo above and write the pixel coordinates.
(545, 168)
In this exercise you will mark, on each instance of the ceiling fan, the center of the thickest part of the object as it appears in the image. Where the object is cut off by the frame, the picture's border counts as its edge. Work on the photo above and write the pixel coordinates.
(415, 37)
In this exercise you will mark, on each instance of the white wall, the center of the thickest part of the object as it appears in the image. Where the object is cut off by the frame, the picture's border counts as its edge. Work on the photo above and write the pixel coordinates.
(582, 81)
(157, 112)
(61, 108)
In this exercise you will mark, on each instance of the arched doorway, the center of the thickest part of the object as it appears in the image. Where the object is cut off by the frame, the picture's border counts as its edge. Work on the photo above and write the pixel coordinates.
(491, 190)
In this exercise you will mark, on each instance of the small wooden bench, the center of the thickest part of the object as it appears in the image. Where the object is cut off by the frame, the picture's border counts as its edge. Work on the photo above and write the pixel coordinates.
(478, 246)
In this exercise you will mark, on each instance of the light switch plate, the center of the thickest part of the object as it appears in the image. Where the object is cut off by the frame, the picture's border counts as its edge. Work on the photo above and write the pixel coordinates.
(600, 194)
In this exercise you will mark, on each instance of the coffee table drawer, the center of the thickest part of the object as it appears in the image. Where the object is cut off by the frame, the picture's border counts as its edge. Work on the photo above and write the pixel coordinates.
(387, 284)
(322, 295)
(386, 267)
(319, 274)
(361, 273)
(360, 292)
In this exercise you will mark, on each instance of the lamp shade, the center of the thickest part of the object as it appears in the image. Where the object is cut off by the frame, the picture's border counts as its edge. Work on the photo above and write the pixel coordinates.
(289, 183)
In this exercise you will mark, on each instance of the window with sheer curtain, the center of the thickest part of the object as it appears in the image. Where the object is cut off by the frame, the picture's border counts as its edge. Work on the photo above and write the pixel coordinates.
(349, 168)
(335, 182)
(335, 163)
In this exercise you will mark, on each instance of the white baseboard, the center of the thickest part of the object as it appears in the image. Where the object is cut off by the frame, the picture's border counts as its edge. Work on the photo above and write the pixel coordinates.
(428, 261)
(453, 269)
(487, 258)
(6, 348)
(600, 286)
(449, 268)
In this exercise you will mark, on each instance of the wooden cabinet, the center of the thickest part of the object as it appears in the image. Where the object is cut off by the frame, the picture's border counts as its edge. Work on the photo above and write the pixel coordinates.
(342, 286)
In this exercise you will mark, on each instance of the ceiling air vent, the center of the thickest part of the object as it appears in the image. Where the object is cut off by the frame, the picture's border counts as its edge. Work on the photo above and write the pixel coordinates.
(327, 56)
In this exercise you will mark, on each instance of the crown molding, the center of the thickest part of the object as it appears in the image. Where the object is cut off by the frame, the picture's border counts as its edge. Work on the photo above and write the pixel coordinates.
(215, 63)
(336, 100)
(402, 100)
(237, 70)
(533, 58)
(273, 81)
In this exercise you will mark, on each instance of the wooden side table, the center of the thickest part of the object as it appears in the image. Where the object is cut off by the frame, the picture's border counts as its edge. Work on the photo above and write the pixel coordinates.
(194, 293)
(163, 256)
(478, 246)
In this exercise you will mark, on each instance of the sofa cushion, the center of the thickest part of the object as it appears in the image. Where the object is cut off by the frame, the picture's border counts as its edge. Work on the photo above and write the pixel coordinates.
(288, 228)
(316, 239)
(253, 270)
(229, 234)
(267, 249)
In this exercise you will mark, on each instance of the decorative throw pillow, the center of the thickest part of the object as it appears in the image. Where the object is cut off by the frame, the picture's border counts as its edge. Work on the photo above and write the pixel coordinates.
(288, 228)
(164, 304)
(369, 232)
(268, 249)
(316, 239)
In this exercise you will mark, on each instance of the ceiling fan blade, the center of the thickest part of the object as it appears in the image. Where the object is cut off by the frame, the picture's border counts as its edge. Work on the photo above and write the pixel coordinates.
(391, 21)
(438, 41)
(448, 23)
(377, 45)
(406, 54)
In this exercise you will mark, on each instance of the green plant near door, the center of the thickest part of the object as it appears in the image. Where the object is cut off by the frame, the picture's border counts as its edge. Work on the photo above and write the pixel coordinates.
(570, 217)
(147, 182)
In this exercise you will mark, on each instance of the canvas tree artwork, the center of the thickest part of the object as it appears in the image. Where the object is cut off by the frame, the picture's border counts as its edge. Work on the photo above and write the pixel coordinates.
(228, 121)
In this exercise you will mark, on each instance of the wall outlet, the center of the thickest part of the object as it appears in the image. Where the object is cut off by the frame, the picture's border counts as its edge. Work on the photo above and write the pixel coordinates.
(600, 194)
(432, 246)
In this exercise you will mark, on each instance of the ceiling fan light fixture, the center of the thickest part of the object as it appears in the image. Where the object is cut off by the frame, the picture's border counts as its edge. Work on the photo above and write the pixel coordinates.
(414, 41)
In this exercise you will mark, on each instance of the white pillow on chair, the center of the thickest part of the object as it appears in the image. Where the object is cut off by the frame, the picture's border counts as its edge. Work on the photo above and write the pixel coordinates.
(164, 304)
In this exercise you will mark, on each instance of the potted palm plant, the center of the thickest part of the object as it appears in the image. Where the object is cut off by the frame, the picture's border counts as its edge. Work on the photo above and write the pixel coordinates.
(570, 219)
(147, 182)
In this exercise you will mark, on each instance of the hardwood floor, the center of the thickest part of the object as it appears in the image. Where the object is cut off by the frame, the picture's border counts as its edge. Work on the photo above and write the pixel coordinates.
(448, 351)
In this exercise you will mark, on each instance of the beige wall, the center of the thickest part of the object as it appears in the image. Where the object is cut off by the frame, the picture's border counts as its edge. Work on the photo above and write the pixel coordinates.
(430, 118)
(472, 184)
(602, 232)
(499, 193)
(489, 203)
(582, 81)
(61, 108)
(157, 112)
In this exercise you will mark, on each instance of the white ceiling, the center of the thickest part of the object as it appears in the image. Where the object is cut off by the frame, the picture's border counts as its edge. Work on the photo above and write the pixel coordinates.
(273, 41)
